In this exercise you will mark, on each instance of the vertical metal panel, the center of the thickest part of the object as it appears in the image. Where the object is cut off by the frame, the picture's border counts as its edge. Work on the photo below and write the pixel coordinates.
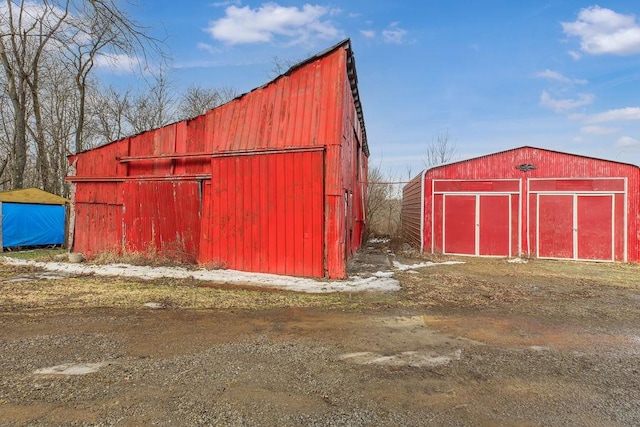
(412, 211)
(494, 223)
(555, 224)
(551, 164)
(595, 226)
(460, 224)
(162, 217)
(274, 227)
(98, 229)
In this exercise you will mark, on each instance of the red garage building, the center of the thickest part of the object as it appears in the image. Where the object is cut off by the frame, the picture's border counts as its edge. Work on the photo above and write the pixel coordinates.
(273, 181)
(526, 201)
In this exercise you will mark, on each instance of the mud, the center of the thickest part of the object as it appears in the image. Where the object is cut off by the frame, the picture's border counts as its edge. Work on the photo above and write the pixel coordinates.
(483, 343)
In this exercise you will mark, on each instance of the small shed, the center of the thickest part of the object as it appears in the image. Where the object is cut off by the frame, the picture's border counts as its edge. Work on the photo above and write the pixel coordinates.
(32, 217)
(526, 202)
(274, 181)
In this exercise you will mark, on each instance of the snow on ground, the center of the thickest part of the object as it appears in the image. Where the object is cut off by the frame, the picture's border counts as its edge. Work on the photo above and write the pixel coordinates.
(379, 281)
(404, 267)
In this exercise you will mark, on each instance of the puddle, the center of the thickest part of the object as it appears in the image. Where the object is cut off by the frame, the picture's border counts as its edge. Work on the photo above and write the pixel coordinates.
(72, 369)
(416, 359)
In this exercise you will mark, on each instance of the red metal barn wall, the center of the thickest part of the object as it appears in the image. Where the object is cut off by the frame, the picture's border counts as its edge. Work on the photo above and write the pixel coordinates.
(268, 182)
(536, 202)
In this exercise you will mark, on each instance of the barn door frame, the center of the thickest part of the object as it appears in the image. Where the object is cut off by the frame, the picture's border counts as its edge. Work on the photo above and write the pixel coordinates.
(508, 187)
(477, 222)
(611, 191)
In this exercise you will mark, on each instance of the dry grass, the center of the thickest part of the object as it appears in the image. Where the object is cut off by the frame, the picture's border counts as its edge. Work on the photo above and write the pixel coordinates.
(95, 291)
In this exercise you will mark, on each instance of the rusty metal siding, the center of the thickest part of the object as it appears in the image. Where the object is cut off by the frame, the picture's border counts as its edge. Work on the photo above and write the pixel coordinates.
(412, 214)
(579, 170)
(98, 229)
(264, 213)
(309, 107)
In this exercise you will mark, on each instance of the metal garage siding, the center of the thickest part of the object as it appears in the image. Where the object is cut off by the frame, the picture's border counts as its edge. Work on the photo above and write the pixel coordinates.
(548, 163)
(264, 213)
(412, 215)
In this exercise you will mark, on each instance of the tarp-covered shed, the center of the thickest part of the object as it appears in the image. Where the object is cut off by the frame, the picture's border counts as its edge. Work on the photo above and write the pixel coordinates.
(32, 217)
(274, 181)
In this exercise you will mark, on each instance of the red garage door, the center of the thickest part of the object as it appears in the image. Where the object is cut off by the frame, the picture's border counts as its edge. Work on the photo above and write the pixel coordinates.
(477, 224)
(576, 226)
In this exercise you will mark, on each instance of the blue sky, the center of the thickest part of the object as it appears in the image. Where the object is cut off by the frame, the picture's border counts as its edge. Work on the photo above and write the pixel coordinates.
(557, 74)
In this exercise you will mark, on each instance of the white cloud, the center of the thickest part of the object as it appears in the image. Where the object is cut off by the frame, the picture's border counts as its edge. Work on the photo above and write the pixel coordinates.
(598, 130)
(118, 63)
(208, 48)
(556, 76)
(394, 34)
(245, 25)
(368, 33)
(627, 142)
(575, 55)
(603, 31)
(564, 105)
(618, 115)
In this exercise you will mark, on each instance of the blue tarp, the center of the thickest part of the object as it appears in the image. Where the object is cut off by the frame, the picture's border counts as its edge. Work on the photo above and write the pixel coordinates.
(26, 224)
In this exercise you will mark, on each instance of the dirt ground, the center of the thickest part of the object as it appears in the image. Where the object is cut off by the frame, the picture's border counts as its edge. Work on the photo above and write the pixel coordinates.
(482, 343)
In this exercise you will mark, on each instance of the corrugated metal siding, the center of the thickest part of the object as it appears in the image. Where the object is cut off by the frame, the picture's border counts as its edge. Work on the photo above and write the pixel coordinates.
(547, 164)
(308, 107)
(100, 229)
(412, 211)
(162, 218)
(264, 213)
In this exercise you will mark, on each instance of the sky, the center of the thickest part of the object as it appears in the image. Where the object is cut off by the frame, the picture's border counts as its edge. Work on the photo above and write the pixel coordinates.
(493, 75)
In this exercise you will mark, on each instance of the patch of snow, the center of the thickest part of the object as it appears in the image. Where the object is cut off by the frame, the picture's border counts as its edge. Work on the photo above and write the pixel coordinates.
(377, 240)
(380, 281)
(154, 305)
(404, 267)
(71, 369)
(517, 260)
(406, 358)
(539, 348)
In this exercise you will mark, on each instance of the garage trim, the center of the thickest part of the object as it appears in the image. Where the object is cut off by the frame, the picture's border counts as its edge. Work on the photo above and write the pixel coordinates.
(505, 191)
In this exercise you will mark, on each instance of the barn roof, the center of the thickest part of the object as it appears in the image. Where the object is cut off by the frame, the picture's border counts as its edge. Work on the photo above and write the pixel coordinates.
(32, 195)
(351, 74)
(525, 147)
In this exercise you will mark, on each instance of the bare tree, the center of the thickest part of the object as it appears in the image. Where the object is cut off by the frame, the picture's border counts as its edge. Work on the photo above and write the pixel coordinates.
(383, 203)
(280, 66)
(197, 100)
(106, 109)
(153, 108)
(440, 150)
(37, 38)
(99, 29)
(28, 30)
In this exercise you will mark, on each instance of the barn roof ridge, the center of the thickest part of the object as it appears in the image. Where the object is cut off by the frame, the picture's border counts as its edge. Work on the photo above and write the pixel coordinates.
(524, 147)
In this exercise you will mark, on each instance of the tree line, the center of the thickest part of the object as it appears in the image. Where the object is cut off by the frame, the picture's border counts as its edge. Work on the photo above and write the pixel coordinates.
(52, 103)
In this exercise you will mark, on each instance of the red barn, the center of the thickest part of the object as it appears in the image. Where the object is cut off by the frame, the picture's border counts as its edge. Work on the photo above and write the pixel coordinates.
(273, 181)
(526, 201)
